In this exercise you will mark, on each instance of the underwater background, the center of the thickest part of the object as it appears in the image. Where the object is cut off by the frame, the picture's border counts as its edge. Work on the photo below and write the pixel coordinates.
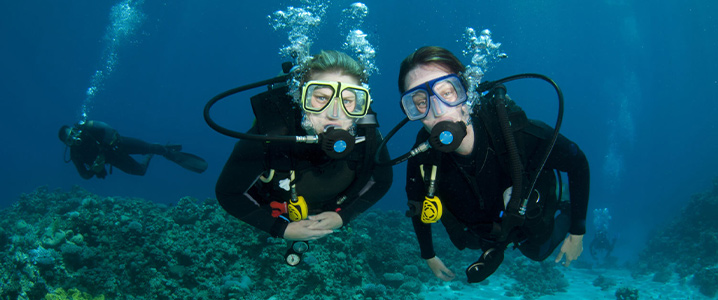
(640, 81)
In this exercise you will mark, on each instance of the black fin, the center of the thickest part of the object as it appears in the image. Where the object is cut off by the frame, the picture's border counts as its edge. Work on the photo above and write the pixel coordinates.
(188, 161)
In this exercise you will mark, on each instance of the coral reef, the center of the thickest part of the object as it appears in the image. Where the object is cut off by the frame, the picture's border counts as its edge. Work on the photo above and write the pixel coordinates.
(55, 244)
(604, 283)
(72, 294)
(707, 281)
(686, 246)
(626, 293)
(534, 280)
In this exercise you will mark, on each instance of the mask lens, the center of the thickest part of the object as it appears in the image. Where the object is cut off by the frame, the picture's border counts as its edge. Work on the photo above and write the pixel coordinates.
(317, 97)
(446, 90)
(450, 91)
(355, 102)
(415, 104)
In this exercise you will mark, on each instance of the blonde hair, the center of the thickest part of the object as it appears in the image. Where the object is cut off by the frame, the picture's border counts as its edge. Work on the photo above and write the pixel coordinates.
(334, 61)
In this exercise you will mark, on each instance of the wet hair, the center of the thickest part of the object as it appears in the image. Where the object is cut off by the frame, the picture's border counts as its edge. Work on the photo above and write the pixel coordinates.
(64, 134)
(334, 61)
(429, 55)
(329, 61)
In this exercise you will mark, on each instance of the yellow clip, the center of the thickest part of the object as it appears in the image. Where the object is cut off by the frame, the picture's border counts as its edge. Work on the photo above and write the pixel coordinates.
(431, 210)
(297, 210)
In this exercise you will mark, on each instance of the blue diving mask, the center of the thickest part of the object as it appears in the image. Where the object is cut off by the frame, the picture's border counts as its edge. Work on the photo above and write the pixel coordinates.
(448, 89)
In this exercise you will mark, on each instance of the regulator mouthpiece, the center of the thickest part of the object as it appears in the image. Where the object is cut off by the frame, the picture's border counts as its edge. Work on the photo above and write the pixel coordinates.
(337, 143)
(446, 136)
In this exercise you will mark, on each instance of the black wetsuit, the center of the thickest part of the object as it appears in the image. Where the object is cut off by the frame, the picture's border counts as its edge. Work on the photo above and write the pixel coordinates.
(101, 144)
(319, 179)
(466, 222)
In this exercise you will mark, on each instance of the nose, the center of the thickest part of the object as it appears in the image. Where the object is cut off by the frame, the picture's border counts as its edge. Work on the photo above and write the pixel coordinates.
(437, 107)
(333, 109)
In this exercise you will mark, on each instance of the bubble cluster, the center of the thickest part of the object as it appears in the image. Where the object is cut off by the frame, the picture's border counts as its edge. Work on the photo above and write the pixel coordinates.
(301, 23)
(353, 16)
(125, 18)
(601, 219)
(357, 42)
(482, 51)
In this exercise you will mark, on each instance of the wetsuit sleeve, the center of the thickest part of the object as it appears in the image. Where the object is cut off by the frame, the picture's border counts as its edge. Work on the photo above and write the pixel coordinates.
(242, 170)
(377, 186)
(415, 191)
(568, 157)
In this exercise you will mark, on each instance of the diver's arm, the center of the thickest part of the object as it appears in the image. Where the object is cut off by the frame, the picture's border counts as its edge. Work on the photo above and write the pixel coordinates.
(242, 170)
(423, 236)
(377, 186)
(568, 157)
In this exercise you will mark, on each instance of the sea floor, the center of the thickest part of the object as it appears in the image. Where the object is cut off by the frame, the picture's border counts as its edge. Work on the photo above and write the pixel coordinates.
(580, 287)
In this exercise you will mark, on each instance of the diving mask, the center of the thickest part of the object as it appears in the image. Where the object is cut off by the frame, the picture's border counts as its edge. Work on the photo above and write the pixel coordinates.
(448, 89)
(318, 96)
(73, 136)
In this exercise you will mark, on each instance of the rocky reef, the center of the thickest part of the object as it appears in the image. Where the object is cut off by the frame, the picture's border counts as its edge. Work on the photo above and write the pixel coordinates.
(687, 246)
(130, 248)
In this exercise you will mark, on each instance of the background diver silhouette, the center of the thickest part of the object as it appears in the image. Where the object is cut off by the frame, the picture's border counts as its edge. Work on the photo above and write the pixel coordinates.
(94, 144)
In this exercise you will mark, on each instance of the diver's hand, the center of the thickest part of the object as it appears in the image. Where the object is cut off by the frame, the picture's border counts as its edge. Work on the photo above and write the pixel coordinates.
(440, 270)
(303, 231)
(572, 248)
(327, 220)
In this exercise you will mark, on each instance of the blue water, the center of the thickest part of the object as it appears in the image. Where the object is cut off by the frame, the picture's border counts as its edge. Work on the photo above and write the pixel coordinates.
(639, 77)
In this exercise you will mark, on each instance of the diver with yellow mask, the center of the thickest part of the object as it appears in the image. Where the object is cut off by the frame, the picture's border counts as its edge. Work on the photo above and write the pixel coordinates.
(306, 167)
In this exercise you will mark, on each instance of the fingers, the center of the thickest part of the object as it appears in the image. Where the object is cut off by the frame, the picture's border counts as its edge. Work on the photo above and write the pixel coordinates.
(317, 224)
(318, 234)
(568, 262)
(315, 217)
(326, 221)
(301, 231)
(440, 270)
(447, 275)
(440, 274)
(320, 217)
(559, 257)
(443, 277)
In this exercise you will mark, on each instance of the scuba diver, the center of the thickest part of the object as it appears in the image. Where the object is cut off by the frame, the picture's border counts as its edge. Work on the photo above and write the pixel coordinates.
(474, 171)
(601, 246)
(305, 191)
(94, 144)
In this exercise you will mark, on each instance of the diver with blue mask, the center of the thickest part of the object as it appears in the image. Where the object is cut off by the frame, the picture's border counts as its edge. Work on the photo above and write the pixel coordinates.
(306, 167)
(468, 161)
